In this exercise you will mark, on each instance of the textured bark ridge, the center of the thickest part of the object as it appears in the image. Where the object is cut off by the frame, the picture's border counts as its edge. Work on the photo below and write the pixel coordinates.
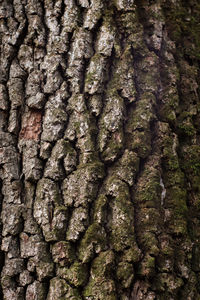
(100, 150)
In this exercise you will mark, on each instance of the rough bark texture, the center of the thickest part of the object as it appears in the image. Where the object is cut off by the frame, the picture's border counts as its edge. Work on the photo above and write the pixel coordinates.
(100, 150)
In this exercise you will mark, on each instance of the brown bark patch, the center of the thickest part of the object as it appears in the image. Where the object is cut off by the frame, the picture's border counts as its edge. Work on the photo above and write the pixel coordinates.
(31, 126)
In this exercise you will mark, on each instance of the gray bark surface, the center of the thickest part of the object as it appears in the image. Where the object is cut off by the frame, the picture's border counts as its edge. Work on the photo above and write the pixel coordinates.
(99, 150)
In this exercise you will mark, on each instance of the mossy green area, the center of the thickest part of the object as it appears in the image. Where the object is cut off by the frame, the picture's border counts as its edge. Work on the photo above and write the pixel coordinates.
(76, 274)
(191, 167)
(191, 156)
(93, 241)
(182, 20)
(101, 285)
(149, 189)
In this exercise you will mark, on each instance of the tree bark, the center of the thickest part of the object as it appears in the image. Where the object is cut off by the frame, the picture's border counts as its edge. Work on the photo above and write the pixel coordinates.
(100, 150)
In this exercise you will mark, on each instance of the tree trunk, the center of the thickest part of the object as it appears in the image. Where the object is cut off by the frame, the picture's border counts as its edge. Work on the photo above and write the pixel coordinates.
(100, 150)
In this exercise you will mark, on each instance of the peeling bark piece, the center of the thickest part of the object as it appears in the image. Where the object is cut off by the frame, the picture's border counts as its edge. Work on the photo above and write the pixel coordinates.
(100, 210)
(148, 189)
(95, 74)
(127, 167)
(25, 56)
(31, 125)
(76, 274)
(37, 101)
(83, 183)
(125, 5)
(25, 278)
(47, 191)
(77, 223)
(105, 39)
(155, 22)
(52, 62)
(113, 114)
(53, 82)
(13, 293)
(13, 123)
(10, 245)
(56, 228)
(44, 270)
(32, 246)
(3, 97)
(93, 14)
(70, 17)
(81, 49)
(32, 165)
(11, 189)
(95, 104)
(94, 241)
(122, 215)
(125, 76)
(36, 290)
(12, 220)
(62, 150)
(110, 137)
(81, 46)
(125, 274)
(54, 119)
(13, 267)
(48, 212)
(60, 289)
(16, 71)
(6, 10)
(30, 225)
(63, 253)
(70, 160)
(45, 150)
(33, 83)
(84, 3)
(101, 284)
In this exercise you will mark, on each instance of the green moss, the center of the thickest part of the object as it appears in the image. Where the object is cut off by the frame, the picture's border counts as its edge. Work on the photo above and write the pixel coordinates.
(90, 78)
(176, 198)
(127, 167)
(122, 223)
(63, 253)
(100, 209)
(101, 286)
(147, 266)
(113, 147)
(149, 190)
(132, 255)
(178, 225)
(93, 241)
(149, 242)
(191, 160)
(140, 142)
(59, 289)
(76, 275)
(167, 282)
(125, 274)
(184, 27)
(186, 128)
